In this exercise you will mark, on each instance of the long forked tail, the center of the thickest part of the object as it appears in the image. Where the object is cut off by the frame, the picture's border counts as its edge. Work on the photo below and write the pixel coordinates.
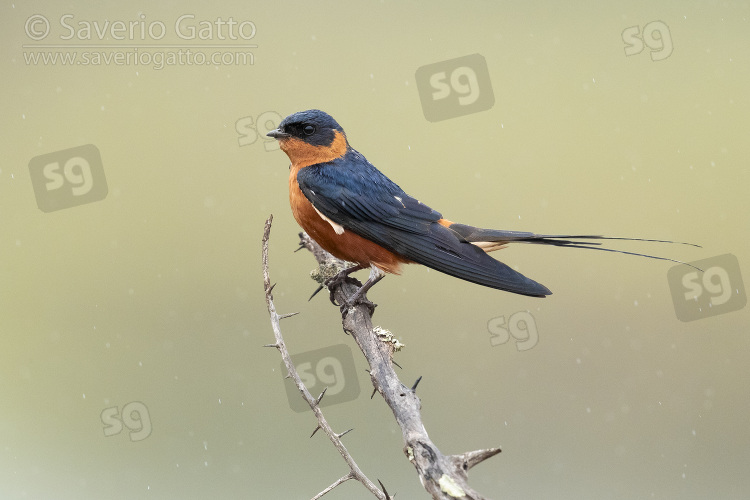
(493, 239)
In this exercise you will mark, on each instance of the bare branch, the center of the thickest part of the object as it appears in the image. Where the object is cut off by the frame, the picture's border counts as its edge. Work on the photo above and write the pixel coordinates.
(443, 476)
(354, 470)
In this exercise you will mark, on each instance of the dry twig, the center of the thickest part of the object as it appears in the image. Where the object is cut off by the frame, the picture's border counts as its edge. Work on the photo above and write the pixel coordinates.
(354, 470)
(443, 476)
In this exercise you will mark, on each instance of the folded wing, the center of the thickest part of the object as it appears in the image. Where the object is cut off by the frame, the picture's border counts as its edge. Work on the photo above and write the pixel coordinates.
(354, 194)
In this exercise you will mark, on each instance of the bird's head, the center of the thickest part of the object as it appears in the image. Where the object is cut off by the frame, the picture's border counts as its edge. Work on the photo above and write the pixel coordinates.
(310, 137)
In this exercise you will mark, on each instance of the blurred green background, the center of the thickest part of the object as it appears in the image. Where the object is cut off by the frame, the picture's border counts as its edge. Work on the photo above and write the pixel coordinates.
(153, 295)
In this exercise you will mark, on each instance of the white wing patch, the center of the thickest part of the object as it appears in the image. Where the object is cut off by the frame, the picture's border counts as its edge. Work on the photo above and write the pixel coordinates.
(336, 227)
(490, 246)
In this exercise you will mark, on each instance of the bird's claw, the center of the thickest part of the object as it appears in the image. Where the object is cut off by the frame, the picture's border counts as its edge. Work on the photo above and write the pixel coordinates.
(357, 299)
(344, 308)
(340, 278)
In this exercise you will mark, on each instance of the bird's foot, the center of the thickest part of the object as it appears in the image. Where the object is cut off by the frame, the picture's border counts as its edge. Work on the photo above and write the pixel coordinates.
(329, 274)
(359, 296)
(356, 300)
(340, 279)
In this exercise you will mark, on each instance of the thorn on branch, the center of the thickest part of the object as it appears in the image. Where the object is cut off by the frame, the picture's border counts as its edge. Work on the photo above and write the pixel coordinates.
(344, 433)
(272, 345)
(385, 492)
(320, 287)
(316, 430)
(288, 315)
(317, 401)
(414, 387)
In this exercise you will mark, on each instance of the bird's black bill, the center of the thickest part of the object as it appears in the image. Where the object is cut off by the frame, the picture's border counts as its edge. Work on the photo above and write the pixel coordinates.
(278, 134)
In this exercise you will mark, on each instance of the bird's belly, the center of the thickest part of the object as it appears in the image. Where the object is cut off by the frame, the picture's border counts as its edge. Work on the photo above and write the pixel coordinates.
(347, 245)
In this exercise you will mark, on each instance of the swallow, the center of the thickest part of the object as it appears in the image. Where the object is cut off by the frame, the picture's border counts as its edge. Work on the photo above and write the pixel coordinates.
(359, 215)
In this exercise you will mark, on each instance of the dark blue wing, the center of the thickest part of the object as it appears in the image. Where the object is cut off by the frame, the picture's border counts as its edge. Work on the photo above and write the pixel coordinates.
(353, 193)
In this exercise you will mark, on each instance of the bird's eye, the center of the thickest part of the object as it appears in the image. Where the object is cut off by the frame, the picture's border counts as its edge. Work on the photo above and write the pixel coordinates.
(308, 129)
